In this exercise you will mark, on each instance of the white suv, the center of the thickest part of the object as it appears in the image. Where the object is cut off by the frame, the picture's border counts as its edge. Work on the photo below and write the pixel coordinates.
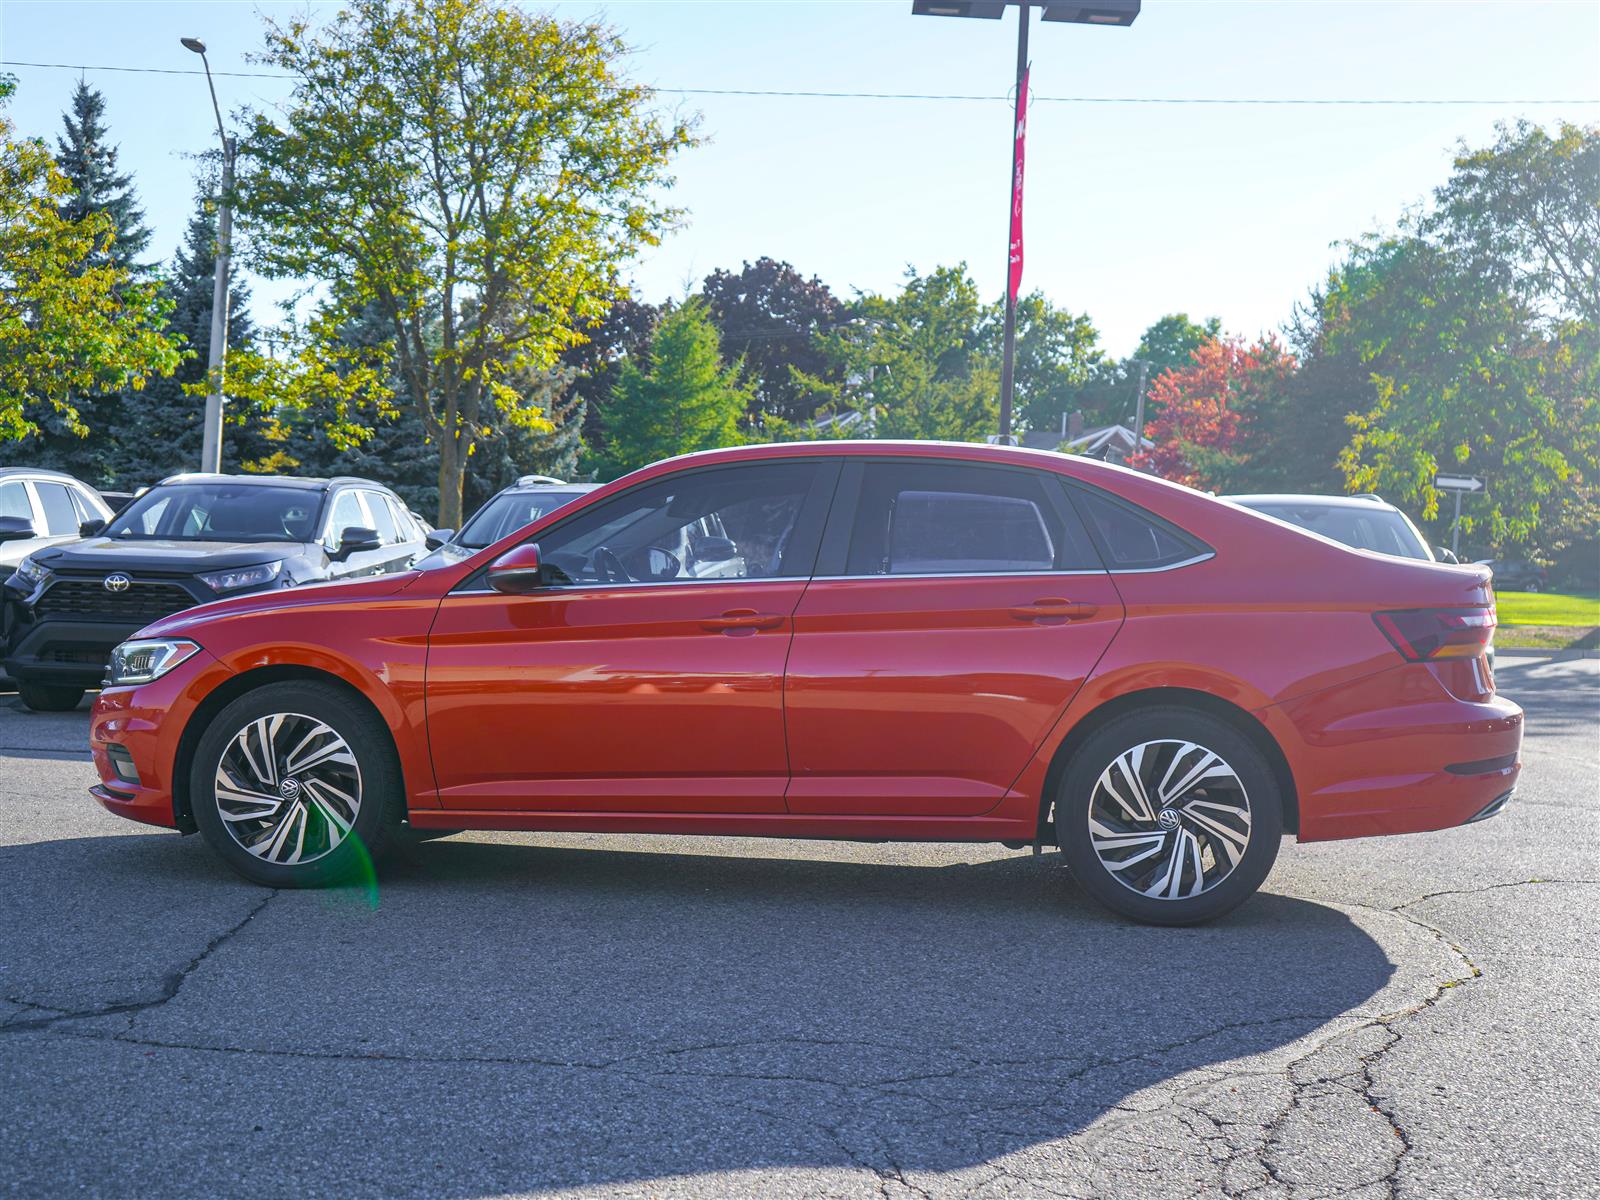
(52, 505)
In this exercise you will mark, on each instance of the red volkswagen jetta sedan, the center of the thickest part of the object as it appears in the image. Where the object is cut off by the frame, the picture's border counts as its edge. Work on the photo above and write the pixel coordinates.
(840, 640)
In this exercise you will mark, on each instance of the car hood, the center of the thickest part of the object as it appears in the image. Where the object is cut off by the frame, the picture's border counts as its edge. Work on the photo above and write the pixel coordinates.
(306, 596)
(161, 555)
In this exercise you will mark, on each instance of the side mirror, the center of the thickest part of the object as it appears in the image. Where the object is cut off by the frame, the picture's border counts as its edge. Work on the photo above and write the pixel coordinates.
(15, 528)
(518, 571)
(438, 537)
(715, 550)
(90, 528)
(1445, 555)
(356, 539)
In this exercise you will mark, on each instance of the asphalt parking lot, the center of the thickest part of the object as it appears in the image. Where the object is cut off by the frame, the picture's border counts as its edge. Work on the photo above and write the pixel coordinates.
(513, 1014)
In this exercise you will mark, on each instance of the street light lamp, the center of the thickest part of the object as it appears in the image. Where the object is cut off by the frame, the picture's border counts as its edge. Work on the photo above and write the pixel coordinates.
(1101, 12)
(211, 446)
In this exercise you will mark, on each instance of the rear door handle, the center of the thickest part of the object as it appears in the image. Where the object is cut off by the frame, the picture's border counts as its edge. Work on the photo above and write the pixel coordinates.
(1054, 609)
(740, 621)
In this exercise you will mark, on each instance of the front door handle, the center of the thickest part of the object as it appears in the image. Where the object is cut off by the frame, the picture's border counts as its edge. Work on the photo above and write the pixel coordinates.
(1054, 610)
(737, 622)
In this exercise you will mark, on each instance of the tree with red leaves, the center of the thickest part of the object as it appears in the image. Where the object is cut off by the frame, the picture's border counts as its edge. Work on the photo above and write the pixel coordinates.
(1216, 417)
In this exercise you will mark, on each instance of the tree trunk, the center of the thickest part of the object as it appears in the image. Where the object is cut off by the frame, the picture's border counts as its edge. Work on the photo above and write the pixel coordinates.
(452, 477)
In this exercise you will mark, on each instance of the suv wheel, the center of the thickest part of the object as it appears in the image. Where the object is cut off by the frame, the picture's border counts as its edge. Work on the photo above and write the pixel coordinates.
(49, 697)
(1169, 816)
(295, 786)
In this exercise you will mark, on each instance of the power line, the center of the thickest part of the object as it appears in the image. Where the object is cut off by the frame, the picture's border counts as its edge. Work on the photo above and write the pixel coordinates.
(1330, 101)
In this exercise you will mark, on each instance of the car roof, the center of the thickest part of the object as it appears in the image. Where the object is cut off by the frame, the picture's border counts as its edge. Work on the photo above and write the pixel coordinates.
(1310, 501)
(39, 473)
(303, 482)
(521, 488)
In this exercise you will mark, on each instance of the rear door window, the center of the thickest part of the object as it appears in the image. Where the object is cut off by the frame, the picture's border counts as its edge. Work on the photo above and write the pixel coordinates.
(60, 518)
(1131, 538)
(940, 518)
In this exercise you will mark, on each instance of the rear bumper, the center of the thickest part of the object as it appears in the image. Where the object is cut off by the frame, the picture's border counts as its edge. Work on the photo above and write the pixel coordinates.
(1395, 752)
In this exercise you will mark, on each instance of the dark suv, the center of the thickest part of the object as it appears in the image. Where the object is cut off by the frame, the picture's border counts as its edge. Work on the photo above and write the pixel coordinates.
(188, 540)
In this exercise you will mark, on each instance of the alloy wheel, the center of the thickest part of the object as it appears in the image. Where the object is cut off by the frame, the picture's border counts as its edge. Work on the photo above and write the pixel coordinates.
(1169, 819)
(288, 788)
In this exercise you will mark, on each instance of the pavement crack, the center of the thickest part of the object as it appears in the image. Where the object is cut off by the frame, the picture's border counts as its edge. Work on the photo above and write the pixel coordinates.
(171, 984)
(1490, 887)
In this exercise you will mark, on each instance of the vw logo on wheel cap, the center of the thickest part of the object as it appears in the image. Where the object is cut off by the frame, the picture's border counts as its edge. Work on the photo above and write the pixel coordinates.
(1167, 818)
(117, 583)
(289, 789)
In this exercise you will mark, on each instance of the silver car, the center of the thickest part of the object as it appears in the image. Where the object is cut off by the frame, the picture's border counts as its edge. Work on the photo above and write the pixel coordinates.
(41, 508)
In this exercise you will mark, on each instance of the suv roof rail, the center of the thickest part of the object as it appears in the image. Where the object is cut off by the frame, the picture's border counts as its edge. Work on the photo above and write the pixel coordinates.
(530, 480)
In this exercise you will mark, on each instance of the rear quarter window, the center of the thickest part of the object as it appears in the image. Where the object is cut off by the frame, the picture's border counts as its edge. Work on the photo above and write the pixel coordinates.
(1132, 538)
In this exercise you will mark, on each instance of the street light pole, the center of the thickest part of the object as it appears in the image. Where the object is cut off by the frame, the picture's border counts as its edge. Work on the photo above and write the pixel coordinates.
(216, 363)
(1009, 358)
(1085, 12)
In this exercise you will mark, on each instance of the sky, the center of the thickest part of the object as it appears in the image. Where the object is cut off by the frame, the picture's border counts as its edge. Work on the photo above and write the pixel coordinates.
(1133, 210)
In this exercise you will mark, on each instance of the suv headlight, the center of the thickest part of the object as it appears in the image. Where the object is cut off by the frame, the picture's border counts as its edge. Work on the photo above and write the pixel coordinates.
(151, 658)
(32, 572)
(242, 577)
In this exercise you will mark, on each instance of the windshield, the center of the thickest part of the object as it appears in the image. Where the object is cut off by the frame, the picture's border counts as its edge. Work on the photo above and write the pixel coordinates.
(1381, 529)
(509, 512)
(221, 512)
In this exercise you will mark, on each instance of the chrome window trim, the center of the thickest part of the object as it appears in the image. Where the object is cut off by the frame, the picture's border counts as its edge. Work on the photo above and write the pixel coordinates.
(611, 587)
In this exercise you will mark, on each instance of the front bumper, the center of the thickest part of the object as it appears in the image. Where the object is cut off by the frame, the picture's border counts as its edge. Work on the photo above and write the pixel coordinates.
(72, 653)
(146, 722)
(1397, 752)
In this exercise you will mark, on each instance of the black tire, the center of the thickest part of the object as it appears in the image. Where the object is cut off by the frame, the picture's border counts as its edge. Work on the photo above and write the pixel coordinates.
(1153, 850)
(50, 697)
(338, 855)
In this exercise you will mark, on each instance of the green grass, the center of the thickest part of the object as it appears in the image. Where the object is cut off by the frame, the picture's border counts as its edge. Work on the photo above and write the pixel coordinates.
(1547, 608)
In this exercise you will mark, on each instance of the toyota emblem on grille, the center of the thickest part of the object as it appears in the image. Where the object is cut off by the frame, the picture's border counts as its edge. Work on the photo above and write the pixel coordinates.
(117, 583)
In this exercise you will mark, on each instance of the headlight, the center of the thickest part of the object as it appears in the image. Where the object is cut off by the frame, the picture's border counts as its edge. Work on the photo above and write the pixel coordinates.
(142, 661)
(32, 572)
(242, 577)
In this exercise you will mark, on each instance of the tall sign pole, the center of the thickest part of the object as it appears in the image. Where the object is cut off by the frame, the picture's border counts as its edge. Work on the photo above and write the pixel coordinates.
(1014, 244)
(1459, 484)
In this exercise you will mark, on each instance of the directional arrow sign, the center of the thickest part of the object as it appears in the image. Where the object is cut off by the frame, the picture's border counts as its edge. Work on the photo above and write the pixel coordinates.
(1458, 483)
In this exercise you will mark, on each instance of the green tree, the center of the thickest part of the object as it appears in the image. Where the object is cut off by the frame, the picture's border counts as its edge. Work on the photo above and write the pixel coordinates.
(476, 174)
(1169, 344)
(71, 322)
(685, 398)
(1477, 332)
(917, 365)
(89, 161)
(1058, 354)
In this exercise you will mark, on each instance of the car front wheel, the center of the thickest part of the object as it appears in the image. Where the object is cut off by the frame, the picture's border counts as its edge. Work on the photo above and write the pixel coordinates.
(49, 697)
(1169, 816)
(296, 786)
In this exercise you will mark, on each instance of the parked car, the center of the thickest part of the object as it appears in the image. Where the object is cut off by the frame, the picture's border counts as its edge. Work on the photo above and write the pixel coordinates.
(187, 541)
(508, 510)
(925, 642)
(1516, 574)
(1366, 522)
(40, 509)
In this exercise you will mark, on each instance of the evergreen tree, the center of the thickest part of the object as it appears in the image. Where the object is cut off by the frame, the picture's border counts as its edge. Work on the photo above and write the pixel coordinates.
(89, 161)
(159, 431)
(685, 399)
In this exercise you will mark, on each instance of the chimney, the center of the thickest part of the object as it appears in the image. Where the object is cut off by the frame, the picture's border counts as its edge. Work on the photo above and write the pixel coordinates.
(1075, 425)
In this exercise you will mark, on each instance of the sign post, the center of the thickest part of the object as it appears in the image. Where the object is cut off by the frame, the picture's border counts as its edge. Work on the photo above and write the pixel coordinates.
(1458, 484)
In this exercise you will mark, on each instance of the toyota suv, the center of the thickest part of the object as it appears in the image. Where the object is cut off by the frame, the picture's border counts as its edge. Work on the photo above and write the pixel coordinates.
(188, 540)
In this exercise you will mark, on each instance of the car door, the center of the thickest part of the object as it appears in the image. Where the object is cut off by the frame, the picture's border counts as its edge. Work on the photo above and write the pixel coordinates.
(956, 610)
(396, 554)
(16, 500)
(345, 511)
(629, 684)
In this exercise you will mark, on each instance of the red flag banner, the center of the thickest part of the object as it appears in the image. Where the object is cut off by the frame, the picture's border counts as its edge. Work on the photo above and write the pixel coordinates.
(1018, 155)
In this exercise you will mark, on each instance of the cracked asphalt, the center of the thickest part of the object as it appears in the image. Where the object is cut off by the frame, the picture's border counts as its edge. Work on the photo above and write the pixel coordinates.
(504, 1015)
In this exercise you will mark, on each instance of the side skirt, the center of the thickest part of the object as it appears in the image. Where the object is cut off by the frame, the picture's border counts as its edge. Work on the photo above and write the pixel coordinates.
(783, 825)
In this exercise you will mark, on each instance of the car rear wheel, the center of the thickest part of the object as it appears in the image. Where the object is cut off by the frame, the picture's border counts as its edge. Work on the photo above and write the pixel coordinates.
(50, 697)
(296, 786)
(1169, 816)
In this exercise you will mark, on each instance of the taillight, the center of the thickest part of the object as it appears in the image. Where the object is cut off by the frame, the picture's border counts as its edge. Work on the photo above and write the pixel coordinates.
(1424, 634)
